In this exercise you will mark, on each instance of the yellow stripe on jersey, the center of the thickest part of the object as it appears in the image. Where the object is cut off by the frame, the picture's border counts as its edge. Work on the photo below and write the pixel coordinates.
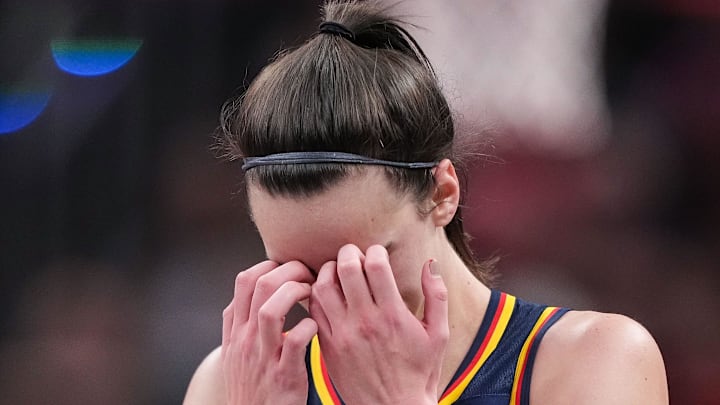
(490, 343)
(525, 352)
(316, 365)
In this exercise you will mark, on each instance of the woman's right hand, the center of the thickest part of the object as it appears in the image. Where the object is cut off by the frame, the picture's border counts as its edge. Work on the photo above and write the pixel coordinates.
(261, 364)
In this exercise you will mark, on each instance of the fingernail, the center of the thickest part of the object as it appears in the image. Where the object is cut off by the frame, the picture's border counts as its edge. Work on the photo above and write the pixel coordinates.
(434, 269)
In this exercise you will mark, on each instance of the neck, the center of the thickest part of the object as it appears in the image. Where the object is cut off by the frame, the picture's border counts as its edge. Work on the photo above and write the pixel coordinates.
(468, 299)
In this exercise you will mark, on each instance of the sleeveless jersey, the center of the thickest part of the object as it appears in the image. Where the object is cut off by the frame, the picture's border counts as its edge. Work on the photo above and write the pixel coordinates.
(496, 370)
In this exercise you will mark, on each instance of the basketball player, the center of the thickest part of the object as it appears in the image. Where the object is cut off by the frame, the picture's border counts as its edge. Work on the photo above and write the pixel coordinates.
(353, 184)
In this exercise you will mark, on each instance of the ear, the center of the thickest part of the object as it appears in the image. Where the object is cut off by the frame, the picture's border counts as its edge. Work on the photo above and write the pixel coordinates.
(446, 196)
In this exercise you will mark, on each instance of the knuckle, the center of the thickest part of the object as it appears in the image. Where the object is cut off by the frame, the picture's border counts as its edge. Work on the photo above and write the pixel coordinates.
(392, 320)
(341, 343)
(375, 264)
(443, 336)
(228, 311)
(285, 378)
(296, 269)
(239, 347)
(265, 284)
(262, 267)
(266, 314)
(248, 277)
(349, 253)
(441, 294)
(294, 289)
(346, 264)
(367, 328)
(294, 342)
(321, 292)
(295, 264)
(243, 280)
(291, 286)
(321, 287)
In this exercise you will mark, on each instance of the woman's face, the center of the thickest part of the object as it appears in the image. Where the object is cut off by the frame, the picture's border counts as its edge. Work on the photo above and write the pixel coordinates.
(363, 210)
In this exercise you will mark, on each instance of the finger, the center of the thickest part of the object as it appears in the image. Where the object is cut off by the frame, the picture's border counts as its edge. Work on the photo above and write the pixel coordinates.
(227, 316)
(327, 294)
(271, 315)
(380, 277)
(318, 315)
(295, 344)
(435, 316)
(352, 276)
(244, 287)
(269, 282)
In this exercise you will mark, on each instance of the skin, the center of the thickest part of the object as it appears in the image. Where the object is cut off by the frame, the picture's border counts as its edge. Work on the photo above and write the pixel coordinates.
(361, 255)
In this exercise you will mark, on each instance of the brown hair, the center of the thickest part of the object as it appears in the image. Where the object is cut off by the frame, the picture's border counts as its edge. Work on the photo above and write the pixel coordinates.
(374, 95)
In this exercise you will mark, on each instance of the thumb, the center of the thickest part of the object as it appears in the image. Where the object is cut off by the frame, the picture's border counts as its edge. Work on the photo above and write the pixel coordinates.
(435, 316)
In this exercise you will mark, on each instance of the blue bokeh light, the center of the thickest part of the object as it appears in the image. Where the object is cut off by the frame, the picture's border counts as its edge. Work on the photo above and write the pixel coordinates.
(93, 57)
(19, 108)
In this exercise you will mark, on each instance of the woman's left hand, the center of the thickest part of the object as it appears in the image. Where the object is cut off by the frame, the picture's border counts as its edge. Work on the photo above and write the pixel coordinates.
(375, 349)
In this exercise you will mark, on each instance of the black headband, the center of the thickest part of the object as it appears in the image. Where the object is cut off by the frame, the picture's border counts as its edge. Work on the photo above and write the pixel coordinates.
(292, 158)
(329, 27)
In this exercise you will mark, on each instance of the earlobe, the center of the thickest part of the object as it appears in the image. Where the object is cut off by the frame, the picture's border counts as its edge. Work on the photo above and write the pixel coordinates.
(446, 196)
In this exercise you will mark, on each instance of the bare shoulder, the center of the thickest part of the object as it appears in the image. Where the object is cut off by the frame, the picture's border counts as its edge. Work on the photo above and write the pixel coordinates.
(598, 358)
(207, 386)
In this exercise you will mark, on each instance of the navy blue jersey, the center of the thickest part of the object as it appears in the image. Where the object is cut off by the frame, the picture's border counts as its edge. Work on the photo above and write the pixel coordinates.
(496, 370)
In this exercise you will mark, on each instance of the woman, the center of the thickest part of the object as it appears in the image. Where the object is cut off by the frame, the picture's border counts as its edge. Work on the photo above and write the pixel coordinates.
(347, 144)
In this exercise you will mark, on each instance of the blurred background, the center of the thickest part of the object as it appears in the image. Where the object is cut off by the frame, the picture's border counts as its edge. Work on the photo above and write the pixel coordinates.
(121, 233)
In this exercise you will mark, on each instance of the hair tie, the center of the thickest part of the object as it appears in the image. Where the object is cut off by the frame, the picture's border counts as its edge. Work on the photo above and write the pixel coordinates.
(333, 28)
(293, 158)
